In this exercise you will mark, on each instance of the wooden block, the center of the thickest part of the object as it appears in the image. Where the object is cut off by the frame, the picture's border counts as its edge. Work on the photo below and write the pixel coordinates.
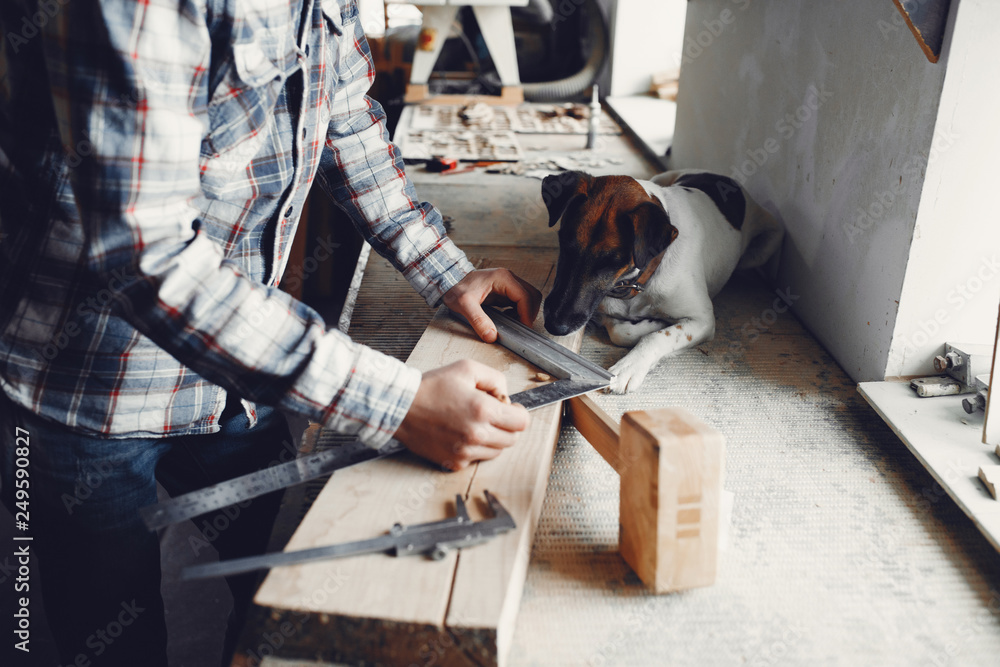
(991, 478)
(671, 467)
(600, 430)
(379, 609)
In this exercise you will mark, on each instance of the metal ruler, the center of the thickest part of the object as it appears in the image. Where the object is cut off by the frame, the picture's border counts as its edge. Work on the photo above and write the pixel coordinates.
(576, 376)
(433, 539)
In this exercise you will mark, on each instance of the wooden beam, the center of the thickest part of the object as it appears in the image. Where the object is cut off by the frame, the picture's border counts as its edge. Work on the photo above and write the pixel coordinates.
(458, 611)
(596, 426)
(671, 485)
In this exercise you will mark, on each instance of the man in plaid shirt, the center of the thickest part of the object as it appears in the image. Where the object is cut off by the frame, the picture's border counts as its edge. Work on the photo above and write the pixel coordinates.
(154, 158)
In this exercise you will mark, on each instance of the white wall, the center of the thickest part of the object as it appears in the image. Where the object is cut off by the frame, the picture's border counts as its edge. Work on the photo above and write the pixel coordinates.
(825, 111)
(647, 37)
(952, 287)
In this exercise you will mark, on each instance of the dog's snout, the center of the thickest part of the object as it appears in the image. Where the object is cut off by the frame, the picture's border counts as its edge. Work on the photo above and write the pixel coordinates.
(557, 328)
(561, 318)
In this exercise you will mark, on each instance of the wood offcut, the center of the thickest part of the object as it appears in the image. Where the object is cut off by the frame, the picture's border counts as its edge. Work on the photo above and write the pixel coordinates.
(671, 468)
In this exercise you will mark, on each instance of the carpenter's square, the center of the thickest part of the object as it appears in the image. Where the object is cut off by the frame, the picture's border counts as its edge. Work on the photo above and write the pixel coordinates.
(576, 376)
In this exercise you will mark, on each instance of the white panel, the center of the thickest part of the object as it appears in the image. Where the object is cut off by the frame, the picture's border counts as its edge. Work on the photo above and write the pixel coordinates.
(952, 283)
(819, 109)
(647, 37)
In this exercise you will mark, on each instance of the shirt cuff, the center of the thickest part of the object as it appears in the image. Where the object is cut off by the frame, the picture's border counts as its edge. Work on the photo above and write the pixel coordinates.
(438, 271)
(378, 394)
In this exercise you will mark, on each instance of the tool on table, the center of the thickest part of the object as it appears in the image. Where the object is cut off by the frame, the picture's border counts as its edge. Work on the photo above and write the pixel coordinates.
(576, 376)
(438, 165)
(433, 539)
(472, 167)
(595, 119)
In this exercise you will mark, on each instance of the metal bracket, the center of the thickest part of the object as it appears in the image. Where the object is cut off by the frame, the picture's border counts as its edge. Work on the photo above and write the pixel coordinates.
(962, 363)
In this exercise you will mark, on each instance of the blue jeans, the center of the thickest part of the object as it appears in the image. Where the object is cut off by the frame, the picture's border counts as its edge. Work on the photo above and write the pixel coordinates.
(99, 566)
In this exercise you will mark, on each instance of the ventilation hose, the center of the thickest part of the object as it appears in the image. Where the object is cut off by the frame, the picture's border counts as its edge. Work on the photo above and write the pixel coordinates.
(573, 86)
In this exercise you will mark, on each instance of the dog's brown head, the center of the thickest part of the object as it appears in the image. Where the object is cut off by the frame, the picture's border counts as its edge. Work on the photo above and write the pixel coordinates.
(611, 230)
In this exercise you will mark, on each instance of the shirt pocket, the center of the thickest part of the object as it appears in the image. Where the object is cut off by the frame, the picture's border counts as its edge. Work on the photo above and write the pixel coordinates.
(241, 106)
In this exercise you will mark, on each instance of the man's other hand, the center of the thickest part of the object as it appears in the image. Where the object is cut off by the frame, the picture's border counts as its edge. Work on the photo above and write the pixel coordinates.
(492, 286)
(461, 414)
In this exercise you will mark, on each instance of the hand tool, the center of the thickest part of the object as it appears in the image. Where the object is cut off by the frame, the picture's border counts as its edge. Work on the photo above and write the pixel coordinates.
(576, 376)
(433, 539)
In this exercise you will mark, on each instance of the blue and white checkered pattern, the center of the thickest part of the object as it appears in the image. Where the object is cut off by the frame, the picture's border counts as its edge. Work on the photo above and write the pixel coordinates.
(154, 158)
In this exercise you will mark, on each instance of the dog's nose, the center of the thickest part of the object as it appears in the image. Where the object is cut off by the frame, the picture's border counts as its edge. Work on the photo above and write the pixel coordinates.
(558, 328)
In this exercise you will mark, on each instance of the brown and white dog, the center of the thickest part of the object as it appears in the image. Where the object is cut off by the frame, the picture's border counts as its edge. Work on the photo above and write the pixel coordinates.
(645, 258)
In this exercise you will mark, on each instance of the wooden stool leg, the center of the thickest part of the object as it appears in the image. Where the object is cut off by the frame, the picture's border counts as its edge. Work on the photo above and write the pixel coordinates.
(671, 467)
(498, 33)
(439, 19)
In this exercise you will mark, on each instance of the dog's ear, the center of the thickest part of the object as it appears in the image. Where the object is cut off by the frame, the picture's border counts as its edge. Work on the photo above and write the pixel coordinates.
(558, 190)
(653, 231)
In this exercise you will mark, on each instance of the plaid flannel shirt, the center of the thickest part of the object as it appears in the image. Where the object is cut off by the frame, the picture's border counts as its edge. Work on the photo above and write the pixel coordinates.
(154, 157)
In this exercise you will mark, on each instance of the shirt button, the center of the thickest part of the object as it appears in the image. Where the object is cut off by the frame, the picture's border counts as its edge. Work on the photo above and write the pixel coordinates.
(288, 211)
(307, 49)
(304, 133)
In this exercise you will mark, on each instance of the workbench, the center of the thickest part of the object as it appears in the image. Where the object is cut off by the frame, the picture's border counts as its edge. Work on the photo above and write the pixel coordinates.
(840, 551)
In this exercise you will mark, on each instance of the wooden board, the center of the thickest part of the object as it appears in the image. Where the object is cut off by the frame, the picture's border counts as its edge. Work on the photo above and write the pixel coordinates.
(946, 441)
(594, 424)
(457, 611)
(991, 422)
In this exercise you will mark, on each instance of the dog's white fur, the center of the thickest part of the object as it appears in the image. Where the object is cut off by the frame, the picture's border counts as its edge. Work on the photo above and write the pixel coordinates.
(675, 310)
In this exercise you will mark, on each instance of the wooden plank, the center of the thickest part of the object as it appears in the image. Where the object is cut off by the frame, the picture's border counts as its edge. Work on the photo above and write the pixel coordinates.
(671, 490)
(991, 422)
(600, 430)
(378, 608)
(946, 441)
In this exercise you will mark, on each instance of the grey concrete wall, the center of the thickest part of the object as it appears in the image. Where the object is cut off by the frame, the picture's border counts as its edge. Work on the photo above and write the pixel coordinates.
(826, 112)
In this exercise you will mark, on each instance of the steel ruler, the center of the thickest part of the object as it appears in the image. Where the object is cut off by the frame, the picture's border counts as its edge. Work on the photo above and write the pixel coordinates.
(575, 375)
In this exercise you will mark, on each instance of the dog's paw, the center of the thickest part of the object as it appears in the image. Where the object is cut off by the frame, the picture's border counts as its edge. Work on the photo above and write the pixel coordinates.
(628, 376)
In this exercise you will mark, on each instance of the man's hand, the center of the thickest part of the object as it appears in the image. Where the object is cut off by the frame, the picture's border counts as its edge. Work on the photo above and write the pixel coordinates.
(492, 286)
(461, 414)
